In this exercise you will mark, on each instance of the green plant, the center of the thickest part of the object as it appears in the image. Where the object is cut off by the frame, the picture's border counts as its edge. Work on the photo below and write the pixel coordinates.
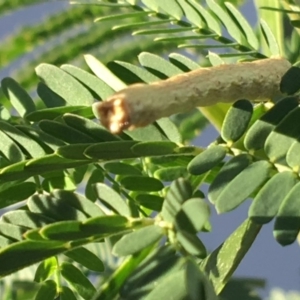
(142, 188)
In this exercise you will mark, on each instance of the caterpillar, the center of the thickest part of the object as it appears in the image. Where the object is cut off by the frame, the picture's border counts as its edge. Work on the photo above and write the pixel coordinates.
(141, 104)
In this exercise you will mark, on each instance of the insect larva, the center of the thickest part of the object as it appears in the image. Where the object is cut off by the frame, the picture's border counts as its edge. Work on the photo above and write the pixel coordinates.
(141, 104)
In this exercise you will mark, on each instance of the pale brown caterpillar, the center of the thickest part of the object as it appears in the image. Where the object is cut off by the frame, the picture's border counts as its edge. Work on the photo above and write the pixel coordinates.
(141, 104)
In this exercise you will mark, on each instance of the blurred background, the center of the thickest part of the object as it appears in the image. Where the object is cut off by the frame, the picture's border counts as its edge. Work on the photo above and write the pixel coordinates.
(56, 32)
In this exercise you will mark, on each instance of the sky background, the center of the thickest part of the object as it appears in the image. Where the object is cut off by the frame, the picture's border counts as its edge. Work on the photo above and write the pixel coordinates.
(266, 258)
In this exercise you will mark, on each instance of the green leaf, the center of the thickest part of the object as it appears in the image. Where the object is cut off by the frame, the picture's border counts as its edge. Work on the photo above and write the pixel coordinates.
(90, 128)
(12, 231)
(292, 157)
(59, 181)
(268, 200)
(207, 160)
(108, 224)
(180, 190)
(244, 25)
(170, 130)
(137, 240)
(171, 7)
(64, 132)
(111, 150)
(150, 201)
(146, 134)
(55, 112)
(101, 71)
(16, 193)
(282, 137)
(30, 146)
(211, 22)
(18, 97)
(159, 66)
(270, 38)
(174, 285)
(158, 265)
(50, 99)
(228, 172)
(22, 254)
(290, 81)
(86, 258)
(236, 121)
(287, 222)
(153, 148)
(78, 280)
(170, 173)
(99, 87)
(141, 183)
(111, 199)
(193, 215)
(130, 73)
(50, 163)
(222, 262)
(95, 177)
(191, 243)
(63, 231)
(67, 294)
(257, 134)
(215, 59)
(184, 63)
(122, 16)
(121, 168)
(222, 15)
(74, 151)
(64, 85)
(45, 269)
(243, 185)
(10, 149)
(26, 219)
(79, 202)
(47, 291)
(191, 13)
(54, 208)
(45, 140)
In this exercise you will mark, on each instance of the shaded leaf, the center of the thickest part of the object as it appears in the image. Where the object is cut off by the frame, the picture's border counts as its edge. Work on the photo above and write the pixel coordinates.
(77, 280)
(64, 132)
(141, 183)
(47, 291)
(55, 112)
(287, 222)
(243, 185)
(290, 81)
(111, 199)
(92, 82)
(236, 121)
(30, 251)
(268, 200)
(111, 150)
(180, 190)
(228, 172)
(64, 85)
(207, 160)
(45, 269)
(153, 148)
(257, 134)
(137, 240)
(86, 258)
(18, 97)
(193, 215)
(222, 262)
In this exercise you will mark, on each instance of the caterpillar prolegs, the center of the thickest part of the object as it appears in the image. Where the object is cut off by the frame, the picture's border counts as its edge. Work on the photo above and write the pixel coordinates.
(141, 104)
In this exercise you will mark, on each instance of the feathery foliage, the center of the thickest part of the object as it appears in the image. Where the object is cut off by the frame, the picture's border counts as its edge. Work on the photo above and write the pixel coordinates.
(76, 198)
